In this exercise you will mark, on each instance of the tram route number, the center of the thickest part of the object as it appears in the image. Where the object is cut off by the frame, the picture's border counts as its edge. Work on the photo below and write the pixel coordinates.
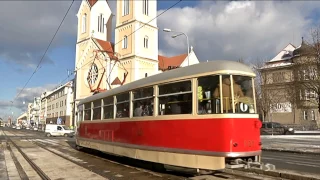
(249, 143)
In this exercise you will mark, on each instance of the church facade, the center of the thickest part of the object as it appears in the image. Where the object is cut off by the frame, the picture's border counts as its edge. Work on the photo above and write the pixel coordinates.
(100, 64)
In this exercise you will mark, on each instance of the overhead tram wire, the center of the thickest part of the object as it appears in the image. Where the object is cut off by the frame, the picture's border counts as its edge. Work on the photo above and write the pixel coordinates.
(42, 56)
(135, 30)
(91, 60)
(38, 66)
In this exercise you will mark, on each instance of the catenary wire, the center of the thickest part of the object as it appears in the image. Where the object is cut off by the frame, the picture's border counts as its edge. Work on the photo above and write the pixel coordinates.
(38, 66)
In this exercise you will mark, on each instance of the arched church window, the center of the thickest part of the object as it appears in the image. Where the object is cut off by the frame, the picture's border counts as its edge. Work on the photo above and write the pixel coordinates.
(84, 23)
(125, 7)
(145, 7)
(125, 42)
(93, 74)
(146, 41)
(100, 23)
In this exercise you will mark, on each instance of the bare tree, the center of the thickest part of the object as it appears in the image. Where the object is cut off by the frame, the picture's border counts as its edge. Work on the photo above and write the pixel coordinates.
(306, 67)
(273, 90)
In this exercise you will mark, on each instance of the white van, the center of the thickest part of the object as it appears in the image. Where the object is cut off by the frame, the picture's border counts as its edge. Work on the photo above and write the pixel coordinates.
(58, 130)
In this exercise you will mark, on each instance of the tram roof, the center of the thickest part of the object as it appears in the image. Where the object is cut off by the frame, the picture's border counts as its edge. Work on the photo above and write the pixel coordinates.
(211, 67)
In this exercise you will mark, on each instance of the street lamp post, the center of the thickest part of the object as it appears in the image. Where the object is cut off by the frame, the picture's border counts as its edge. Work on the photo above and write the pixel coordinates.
(181, 33)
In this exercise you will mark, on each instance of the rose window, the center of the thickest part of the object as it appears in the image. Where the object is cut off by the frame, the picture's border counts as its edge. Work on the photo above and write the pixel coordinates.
(93, 74)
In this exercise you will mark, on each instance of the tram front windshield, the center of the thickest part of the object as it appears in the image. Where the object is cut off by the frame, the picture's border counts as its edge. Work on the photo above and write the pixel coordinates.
(225, 94)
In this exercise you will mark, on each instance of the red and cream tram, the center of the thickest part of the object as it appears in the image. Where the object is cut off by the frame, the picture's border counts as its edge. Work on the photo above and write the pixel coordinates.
(200, 116)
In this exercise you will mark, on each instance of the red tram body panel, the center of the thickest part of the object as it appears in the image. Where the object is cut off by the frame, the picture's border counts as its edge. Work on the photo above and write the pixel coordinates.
(203, 136)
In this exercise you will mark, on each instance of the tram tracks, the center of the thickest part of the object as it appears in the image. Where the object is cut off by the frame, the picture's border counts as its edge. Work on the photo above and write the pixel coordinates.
(21, 172)
(64, 151)
(58, 152)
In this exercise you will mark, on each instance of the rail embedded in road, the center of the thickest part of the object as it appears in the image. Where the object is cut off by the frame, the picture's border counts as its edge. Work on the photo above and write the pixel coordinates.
(57, 147)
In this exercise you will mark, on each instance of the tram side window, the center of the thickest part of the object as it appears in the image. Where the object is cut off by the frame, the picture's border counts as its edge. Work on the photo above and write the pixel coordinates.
(87, 111)
(96, 110)
(143, 101)
(80, 113)
(175, 98)
(243, 99)
(208, 98)
(122, 105)
(108, 108)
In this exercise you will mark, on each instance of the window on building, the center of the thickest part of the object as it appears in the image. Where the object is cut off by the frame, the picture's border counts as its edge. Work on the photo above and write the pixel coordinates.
(100, 23)
(122, 105)
(96, 110)
(312, 115)
(313, 74)
(145, 7)
(312, 94)
(278, 77)
(143, 101)
(125, 7)
(307, 94)
(305, 115)
(175, 98)
(306, 75)
(125, 42)
(108, 108)
(84, 23)
(145, 42)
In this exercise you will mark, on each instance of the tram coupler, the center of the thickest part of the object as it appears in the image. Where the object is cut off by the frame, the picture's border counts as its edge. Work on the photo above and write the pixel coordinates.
(240, 163)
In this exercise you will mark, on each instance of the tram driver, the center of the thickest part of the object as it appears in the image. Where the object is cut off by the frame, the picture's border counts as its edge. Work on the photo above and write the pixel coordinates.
(226, 93)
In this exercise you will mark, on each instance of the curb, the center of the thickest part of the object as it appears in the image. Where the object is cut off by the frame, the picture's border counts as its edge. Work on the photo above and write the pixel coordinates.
(290, 151)
(283, 174)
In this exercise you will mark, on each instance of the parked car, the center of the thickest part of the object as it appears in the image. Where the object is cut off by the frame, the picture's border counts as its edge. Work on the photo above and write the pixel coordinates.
(269, 128)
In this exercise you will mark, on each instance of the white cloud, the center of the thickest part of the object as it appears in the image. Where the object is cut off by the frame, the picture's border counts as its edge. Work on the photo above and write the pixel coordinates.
(28, 26)
(233, 30)
(20, 104)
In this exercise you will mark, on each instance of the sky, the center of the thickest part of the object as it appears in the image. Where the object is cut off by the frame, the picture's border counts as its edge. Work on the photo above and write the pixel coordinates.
(229, 30)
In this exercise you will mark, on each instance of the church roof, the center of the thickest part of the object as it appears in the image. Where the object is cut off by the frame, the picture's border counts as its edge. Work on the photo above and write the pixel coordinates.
(176, 61)
(92, 2)
(107, 46)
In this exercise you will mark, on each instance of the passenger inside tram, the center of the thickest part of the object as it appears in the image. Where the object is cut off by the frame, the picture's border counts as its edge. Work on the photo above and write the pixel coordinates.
(242, 91)
(138, 111)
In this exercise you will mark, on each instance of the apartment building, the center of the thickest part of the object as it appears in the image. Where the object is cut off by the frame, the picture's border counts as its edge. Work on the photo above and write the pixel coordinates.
(58, 105)
(287, 91)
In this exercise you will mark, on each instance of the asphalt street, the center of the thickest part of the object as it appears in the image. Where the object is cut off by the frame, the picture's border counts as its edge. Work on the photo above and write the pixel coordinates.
(292, 161)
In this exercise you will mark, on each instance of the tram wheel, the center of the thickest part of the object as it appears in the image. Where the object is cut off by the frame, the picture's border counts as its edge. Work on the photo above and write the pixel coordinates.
(158, 167)
(78, 147)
